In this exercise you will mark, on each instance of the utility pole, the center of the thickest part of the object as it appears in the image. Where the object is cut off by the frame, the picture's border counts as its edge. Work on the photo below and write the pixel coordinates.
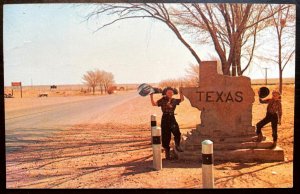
(266, 75)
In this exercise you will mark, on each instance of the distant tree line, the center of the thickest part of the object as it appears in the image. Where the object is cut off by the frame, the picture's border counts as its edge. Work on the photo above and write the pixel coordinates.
(99, 78)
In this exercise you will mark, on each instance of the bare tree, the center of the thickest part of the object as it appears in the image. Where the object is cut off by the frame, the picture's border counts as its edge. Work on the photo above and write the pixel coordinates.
(175, 83)
(192, 74)
(229, 26)
(100, 76)
(91, 79)
(166, 83)
(107, 80)
(284, 23)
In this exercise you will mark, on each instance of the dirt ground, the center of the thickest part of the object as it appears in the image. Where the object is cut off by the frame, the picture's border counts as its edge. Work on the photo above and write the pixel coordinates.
(116, 153)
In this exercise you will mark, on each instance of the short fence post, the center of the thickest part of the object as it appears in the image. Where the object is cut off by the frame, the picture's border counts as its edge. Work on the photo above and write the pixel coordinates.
(207, 164)
(153, 124)
(156, 144)
(153, 120)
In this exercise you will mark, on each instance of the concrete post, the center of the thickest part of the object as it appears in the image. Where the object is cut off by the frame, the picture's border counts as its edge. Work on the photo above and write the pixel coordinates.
(153, 123)
(156, 144)
(153, 120)
(207, 164)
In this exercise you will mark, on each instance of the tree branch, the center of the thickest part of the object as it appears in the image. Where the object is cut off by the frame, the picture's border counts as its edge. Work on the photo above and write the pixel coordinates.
(292, 53)
(252, 51)
(267, 17)
(119, 19)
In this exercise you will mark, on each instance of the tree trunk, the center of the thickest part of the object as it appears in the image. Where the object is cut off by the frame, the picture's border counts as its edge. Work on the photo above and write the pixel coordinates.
(280, 80)
(233, 66)
(280, 62)
(233, 70)
(101, 89)
(226, 68)
(238, 57)
(93, 90)
(280, 69)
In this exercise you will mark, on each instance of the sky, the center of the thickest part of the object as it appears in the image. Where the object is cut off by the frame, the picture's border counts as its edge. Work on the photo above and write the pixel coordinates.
(53, 44)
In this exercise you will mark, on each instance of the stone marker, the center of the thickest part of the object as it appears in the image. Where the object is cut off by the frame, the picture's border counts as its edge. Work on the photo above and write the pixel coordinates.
(225, 103)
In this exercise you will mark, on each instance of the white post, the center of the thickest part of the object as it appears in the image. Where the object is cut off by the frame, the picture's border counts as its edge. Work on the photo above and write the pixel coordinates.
(207, 164)
(153, 124)
(153, 120)
(156, 144)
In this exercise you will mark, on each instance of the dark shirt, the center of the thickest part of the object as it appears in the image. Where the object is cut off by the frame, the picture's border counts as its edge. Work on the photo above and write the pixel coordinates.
(168, 106)
(274, 106)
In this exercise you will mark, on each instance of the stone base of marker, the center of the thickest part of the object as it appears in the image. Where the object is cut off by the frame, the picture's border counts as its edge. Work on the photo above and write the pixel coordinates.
(234, 149)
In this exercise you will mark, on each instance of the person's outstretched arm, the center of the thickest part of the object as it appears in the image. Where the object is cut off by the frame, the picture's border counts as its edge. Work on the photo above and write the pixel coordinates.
(152, 100)
(264, 101)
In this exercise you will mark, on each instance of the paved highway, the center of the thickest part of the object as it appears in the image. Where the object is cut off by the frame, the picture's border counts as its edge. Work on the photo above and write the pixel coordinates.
(27, 126)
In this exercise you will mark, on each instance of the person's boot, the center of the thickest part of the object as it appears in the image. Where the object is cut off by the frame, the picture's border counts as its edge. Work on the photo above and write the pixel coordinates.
(178, 148)
(167, 154)
(274, 144)
(259, 137)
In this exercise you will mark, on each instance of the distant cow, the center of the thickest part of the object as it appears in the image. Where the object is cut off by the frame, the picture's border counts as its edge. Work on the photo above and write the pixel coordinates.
(53, 87)
(43, 95)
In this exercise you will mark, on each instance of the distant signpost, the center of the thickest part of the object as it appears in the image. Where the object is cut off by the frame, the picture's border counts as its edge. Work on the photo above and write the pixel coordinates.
(16, 84)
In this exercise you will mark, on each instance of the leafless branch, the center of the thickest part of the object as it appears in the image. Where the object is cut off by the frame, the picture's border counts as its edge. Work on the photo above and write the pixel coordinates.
(291, 54)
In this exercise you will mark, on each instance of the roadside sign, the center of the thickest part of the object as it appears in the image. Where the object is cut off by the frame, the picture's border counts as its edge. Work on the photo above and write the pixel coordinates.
(16, 83)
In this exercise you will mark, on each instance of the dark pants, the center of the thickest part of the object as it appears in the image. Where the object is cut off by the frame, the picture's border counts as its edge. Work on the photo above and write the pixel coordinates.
(169, 125)
(270, 117)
